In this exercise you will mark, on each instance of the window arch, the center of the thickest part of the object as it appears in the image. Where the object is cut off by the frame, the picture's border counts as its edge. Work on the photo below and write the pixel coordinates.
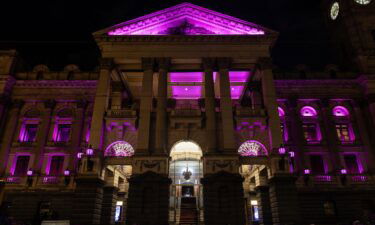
(308, 111)
(119, 149)
(340, 111)
(252, 148)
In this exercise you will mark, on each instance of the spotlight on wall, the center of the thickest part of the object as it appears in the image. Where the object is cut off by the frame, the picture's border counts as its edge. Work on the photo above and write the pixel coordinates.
(291, 154)
(307, 171)
(90, 151)
(343, 171)
(66, 172)
(79, 155)
(29, 172)
(282, 150)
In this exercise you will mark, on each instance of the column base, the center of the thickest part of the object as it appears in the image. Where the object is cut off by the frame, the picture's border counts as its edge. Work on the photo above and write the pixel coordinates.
(148, 200)
(224, 201)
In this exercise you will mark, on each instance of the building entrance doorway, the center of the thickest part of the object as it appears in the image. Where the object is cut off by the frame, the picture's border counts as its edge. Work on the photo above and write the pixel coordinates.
(186, 169)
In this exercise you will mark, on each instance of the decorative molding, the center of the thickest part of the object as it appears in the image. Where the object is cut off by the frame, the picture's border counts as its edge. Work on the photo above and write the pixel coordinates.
(49, 103)
(316, 83)
(148, 63)
(56, 83)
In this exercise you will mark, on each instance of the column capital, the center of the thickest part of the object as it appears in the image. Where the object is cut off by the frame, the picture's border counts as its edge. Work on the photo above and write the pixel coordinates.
(17, 103)
(224, 63)
(106, 63)
(49, 103)
(208, 63)
(148, 63)
(163, 63)
(264, 63)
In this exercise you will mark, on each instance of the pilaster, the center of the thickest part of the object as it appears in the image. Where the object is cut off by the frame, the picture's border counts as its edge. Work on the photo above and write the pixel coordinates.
(145, 107)
(208, 66)
(11, 125)
(161, 110)
(229, 144)
(101, 103)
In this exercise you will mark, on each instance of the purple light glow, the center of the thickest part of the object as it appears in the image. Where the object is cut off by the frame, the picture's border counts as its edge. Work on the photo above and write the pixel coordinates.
(344, 171)
(308, 111)
(236, 91)
(66, 172)
(186, 92)
(188, 77)
(291, 154)
(89, 151)
(323, 178)
(79, 155)
(281, 112)
(238, 76)
(252, 148)
(13, 180)
(51, 180)
(29, 173)
(188, 19)
(119, 149)
(282, 150)
(360, 178)
(307, 171)
(340, 111)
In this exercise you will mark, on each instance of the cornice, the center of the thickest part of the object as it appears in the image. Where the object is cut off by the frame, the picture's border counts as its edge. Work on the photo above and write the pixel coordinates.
(56, 83)
(214, 39)
(316, 83)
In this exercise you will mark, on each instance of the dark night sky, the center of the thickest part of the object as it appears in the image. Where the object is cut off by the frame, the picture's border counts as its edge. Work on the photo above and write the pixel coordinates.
(58, 32)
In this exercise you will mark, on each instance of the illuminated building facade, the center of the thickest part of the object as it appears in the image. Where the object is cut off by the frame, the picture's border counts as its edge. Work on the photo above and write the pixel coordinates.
(187, 122)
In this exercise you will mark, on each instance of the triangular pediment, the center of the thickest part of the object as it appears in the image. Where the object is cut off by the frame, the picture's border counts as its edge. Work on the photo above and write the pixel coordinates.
(185, 19)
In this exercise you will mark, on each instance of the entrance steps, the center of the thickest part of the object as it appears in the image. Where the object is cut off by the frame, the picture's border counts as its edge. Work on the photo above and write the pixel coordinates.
(188, 211)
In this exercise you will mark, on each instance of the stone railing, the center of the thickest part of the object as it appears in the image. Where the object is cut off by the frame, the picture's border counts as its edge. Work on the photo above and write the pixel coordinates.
(121, 113)
(186, 112)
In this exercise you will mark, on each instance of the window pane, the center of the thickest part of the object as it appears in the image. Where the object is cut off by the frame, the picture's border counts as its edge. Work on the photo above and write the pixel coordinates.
(317, 164)
(22, 165)
(63, 133)
(56, 165)
(342, 131)
(309, 131)
(351, 164)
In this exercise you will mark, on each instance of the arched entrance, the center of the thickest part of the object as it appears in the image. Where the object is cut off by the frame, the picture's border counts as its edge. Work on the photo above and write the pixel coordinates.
(185, 170)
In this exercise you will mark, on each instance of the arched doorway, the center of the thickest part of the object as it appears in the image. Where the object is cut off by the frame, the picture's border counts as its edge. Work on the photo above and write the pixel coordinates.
(185, 170)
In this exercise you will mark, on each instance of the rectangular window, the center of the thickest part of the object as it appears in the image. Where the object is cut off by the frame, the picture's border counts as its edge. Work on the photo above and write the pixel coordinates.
(56, 166)
(351, 164)
(22, 165)
(63, 132)
(342, 131)
(29, 133)
(317, 164)
(310, 132)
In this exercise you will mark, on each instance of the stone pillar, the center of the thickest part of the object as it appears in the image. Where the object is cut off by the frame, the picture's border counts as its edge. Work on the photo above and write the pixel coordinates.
(43, 133)
(87, 201)
(149, 186)
(77, 131)
(223, 192)
(270, 103)
(263, 196)
(101, 103)
(229, 144)
(109, 205)
(284, 200)
(161, 110)
(294, 127)
(330, 135)
(11, 125)
(363, 133)
(145, 107)
(209, 101)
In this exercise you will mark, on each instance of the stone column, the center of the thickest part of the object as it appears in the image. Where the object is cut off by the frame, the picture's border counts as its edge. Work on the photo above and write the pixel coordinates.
(364, 136)
(101, 103)
(209, 101)
(284, 200)
(11, 125)
(161, 110)
(43, 133)
(77, 131)
(263, 196)
(270, 103)
(294, 127)
(229, 144)
(330, 135)
(145, 107)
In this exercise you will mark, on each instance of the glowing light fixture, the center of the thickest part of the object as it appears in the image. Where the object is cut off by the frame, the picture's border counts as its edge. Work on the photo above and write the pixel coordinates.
(29, 173)
(252, 148)
(308, 111)
(343, 171)
(340, 111)
(307, 171)
(254, 202)
(119, 148)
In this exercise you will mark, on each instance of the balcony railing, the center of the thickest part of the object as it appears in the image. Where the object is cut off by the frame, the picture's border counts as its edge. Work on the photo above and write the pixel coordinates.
(121, 113)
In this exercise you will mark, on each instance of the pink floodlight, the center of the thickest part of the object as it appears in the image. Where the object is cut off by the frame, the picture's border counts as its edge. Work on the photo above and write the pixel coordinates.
(79, 155)
(343, 171)
(186, 77)
(308, 111)
(291, 154)
(66, 172)
(29, 173)
(186, 92)
(282, 150)
(307, 171)
(236, 91)
(90, 151)
(252, 148)
(119, 149)
(238, 76)
(340, 111)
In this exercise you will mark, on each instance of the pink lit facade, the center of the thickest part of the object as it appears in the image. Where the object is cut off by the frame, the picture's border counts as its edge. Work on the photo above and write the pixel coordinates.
(204, 82)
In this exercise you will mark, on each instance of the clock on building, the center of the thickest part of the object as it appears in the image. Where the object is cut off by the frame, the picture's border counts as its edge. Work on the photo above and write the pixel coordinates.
(335, 9)
(363, 2)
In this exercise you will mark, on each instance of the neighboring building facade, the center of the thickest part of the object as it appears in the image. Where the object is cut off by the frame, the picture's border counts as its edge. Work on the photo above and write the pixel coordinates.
(186, 122)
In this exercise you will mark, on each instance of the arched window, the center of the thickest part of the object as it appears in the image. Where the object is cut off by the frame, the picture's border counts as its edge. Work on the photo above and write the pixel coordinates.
(344, 130)
(252, 148)
(308, 111)
(282, 123)
(119, 148)
(310, 124)
(340, 111)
